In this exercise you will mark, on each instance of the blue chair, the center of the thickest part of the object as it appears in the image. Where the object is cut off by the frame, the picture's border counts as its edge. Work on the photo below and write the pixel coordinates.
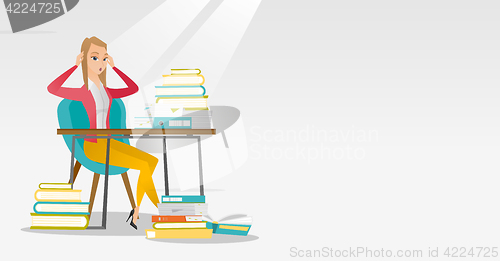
(72, 115)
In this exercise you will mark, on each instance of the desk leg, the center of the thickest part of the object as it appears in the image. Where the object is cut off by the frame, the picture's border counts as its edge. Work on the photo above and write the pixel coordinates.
(224, 139)
(71, 174)
(106, 176)
(202, 192)
(105, 196)
(165, 167)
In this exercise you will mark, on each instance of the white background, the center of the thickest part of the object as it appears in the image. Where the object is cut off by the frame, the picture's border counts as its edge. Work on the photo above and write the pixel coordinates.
(422, 76)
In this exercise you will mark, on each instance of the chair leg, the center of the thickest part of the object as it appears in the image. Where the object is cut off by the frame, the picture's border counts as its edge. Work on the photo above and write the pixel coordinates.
(76, 169)
(95, 182)
(129, 190)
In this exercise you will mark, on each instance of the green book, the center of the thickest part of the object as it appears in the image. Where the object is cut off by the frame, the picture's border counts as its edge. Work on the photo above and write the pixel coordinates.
(184, 102)
(184, 71)
(168, 97)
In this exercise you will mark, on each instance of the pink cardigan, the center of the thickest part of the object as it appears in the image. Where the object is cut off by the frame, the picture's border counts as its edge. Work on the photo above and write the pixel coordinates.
(85, 96)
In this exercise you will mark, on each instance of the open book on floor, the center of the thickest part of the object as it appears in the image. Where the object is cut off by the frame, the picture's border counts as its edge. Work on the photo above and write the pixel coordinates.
(230, 225)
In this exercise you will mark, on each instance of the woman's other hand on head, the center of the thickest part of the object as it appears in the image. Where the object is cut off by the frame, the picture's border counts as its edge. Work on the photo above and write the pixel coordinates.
(79, 59)
(110, 61)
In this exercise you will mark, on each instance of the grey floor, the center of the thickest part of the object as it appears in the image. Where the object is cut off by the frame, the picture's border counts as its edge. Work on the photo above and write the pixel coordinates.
(116, 226)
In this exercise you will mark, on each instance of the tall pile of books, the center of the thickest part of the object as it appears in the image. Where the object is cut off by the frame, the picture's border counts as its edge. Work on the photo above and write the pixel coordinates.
(59, 207)
(180, 217)
(181, 103)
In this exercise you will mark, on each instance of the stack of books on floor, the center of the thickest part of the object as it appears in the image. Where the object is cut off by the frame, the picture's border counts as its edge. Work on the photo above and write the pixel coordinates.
(181, 102)
(180, 217)
(59, 207)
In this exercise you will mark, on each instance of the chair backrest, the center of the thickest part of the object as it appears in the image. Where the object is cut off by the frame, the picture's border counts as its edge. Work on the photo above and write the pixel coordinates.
(72, 115)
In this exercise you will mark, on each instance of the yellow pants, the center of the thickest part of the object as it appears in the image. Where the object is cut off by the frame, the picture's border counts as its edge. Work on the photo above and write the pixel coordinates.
(126, 156)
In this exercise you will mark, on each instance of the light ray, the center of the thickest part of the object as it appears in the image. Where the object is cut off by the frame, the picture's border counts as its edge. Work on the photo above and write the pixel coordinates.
(212, 48)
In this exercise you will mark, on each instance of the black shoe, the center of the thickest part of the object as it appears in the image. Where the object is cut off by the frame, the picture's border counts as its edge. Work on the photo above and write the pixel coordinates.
(130, 215)
(133, 225)
(131, 221)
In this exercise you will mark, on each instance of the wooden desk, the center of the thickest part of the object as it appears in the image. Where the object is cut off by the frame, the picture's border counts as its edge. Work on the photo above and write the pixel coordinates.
(136, 131)
(132, 134)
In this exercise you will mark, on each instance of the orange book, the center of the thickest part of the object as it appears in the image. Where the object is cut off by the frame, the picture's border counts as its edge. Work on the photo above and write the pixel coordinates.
(194, 218)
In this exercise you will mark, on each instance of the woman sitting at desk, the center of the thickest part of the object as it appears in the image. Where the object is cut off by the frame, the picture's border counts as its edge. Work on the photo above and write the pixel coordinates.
(96, 99)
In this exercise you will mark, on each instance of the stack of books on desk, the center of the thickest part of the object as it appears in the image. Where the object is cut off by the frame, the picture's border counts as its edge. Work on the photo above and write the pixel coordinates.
(183, 88)
(181, 101)
(180, 217)
(59, 207)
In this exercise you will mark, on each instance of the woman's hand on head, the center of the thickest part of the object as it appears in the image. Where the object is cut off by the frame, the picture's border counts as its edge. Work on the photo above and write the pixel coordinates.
(79, 59)
(109, 59)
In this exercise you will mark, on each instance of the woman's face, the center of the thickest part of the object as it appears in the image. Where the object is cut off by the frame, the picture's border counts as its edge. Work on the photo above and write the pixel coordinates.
(97, 59)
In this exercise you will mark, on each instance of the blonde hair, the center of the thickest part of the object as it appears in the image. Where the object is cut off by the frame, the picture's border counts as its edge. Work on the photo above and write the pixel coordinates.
(85, 49)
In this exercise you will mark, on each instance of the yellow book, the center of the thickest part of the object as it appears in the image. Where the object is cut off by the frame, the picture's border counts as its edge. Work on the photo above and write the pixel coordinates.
(179, 80)
(67, 195)
(185, 71)
(59, 221)
(197, 109)
(179, 233)
(55, 185)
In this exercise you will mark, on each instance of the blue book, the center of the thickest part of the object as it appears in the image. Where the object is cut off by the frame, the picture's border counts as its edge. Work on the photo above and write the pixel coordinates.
(183, 199)
(231, 229)
(66, 208)
(180, 91)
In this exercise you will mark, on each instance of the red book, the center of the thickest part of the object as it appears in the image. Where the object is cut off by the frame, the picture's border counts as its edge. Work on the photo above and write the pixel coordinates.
(196, 218)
